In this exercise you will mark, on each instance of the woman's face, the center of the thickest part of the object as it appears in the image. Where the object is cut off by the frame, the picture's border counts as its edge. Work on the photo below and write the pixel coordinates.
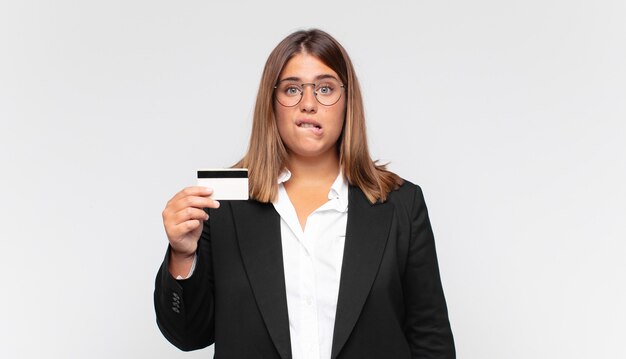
(309, 129)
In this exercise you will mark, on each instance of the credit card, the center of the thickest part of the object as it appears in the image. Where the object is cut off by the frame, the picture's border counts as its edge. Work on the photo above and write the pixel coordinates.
(227, 184)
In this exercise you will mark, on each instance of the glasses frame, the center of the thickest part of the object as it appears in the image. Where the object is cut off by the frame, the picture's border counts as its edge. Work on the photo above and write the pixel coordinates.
(342, 86)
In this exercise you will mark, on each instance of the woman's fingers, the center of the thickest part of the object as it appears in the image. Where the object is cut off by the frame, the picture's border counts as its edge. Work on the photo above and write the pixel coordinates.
(183, 216)
(175, 221)
(188, 213)
(192, 197)
(193, 202)
(180, 202)
(192, 191)
(178, 231)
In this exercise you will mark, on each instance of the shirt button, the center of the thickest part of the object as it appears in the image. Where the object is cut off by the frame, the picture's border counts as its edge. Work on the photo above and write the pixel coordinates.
(308, 301)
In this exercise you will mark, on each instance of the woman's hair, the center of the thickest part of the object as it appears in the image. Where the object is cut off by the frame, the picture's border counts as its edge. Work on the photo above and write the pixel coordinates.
(266, 156)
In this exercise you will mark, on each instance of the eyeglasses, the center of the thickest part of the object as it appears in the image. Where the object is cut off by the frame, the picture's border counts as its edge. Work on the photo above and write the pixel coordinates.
(327, 92)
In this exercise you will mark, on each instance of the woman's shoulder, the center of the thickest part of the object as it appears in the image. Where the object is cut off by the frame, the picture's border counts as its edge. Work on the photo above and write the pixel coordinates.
(406, 195)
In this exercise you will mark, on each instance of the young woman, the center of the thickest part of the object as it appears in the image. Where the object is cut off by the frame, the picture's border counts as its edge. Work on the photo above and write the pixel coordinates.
(332, 257)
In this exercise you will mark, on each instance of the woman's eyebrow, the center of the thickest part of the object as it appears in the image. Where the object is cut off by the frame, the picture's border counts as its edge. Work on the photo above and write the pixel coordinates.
(318, 77)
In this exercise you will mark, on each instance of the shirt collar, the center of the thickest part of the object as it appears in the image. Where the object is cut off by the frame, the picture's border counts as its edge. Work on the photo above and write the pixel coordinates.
(284, 176)
(338, 190)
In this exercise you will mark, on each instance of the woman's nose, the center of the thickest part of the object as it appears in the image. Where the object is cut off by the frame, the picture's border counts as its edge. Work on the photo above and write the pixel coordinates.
(308, 102)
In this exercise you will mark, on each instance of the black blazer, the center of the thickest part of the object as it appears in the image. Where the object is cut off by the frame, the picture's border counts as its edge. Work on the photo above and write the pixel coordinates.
(390, 304)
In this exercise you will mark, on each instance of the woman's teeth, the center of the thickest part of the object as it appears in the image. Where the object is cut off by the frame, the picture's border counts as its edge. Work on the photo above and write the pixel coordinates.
(308, 125)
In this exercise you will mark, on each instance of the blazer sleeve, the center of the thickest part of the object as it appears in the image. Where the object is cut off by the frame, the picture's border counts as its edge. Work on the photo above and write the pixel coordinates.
(185, 308)
(427, 326)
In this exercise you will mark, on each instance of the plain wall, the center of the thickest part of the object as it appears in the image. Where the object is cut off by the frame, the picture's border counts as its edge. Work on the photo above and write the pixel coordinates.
(511, 115)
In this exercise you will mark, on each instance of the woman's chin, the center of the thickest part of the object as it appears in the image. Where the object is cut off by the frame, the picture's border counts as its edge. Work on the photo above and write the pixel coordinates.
(311, 152)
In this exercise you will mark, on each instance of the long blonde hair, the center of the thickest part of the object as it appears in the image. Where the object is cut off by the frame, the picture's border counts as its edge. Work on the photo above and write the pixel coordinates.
(266, 155)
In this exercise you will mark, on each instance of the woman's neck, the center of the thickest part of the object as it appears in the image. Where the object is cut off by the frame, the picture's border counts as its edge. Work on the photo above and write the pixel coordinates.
(313, 170)
(310, 182)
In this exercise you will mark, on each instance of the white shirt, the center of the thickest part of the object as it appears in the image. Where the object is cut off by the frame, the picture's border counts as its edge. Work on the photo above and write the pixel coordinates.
(312, 261)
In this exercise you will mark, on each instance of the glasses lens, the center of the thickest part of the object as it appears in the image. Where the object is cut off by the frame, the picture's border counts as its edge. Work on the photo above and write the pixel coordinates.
(288, 93)
(327, 92)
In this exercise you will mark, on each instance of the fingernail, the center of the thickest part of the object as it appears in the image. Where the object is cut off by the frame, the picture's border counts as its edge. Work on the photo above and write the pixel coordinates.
(216, 202)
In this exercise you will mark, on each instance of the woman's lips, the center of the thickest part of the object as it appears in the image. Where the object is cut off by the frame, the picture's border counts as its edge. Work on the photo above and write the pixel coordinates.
(310, 125)
(307, 123)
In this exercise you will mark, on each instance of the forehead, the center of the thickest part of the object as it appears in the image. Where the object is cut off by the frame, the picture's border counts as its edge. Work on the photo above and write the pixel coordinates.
(306, 67)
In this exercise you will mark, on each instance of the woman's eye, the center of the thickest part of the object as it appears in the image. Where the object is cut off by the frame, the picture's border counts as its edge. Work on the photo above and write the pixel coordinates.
(292, 90)
(325, 90)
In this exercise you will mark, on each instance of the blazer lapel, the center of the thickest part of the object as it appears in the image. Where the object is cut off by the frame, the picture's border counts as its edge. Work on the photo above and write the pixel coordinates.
(367, 231)
(258, 232)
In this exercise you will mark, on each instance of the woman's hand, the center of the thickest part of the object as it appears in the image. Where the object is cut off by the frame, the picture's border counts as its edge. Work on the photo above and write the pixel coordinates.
(183, 219)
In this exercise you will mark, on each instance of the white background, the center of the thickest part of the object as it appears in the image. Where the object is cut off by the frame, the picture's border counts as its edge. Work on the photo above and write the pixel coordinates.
(511, 115)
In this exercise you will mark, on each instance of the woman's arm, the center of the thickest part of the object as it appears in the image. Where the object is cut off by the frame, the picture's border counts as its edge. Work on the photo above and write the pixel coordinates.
(427, 326)
(185, 308)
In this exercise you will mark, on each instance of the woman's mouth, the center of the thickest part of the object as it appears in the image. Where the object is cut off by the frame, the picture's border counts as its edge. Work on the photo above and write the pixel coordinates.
(308, 123)
(313, 126)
